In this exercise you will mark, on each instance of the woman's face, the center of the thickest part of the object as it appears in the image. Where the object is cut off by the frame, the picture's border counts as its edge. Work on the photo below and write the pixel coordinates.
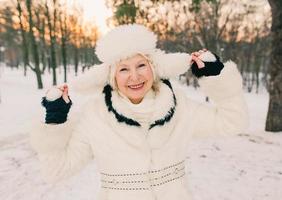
(134, 78)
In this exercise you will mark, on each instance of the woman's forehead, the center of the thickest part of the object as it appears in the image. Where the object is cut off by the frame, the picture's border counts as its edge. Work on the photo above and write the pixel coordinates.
(134, 59)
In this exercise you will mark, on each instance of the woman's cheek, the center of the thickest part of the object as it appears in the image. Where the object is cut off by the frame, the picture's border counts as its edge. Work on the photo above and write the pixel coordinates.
(144, 71)
(122, 79)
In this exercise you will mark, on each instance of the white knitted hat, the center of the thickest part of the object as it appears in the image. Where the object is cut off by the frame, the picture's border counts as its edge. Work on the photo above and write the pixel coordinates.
(125, 41)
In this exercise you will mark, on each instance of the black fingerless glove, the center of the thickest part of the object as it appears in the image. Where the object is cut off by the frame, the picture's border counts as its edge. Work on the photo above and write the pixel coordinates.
(56, 111)
(210, 69)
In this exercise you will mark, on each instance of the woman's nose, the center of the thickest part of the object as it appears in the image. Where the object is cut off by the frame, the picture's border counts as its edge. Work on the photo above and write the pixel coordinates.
(134, 75)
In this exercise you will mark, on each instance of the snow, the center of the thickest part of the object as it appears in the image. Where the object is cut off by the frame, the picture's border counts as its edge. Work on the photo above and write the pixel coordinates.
(245, 167)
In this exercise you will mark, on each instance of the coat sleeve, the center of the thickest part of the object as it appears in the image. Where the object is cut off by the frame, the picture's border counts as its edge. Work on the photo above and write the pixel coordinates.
(229, 113)
(62, 149)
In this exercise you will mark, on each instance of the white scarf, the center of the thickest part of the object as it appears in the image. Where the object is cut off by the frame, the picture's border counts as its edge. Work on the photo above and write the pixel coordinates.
(154, 106)
(144, 110)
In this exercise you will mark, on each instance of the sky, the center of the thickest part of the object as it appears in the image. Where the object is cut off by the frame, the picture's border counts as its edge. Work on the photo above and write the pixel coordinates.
(94, 10)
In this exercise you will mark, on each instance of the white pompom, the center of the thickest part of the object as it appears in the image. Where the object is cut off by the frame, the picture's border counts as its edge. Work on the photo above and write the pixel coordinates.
(53, 94)
(207, 57)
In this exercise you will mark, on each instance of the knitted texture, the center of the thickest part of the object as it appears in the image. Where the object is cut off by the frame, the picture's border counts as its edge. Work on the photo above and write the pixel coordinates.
(56, 111)
(210, 69)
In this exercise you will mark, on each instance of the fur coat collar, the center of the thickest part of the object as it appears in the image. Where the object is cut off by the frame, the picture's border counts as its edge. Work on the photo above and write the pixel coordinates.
(152, 120)
(156, 109)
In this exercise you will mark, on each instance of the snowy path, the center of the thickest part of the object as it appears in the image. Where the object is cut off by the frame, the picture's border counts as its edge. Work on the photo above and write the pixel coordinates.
(243, 167)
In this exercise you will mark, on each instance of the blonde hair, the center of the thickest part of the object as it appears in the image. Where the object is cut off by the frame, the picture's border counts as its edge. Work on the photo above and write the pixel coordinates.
(156, 81)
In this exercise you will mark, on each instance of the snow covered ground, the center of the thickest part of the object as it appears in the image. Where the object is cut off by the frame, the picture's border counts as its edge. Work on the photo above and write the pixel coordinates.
(243, 167)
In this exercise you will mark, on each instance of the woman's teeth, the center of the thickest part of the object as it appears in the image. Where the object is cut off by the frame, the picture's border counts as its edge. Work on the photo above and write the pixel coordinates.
(136, 86)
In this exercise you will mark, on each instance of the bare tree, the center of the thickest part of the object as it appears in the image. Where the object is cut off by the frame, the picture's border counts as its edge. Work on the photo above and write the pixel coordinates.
(34, 46)
(64, 39)
(41, 27)
(24, 45)
(51, 26)
(274, 115)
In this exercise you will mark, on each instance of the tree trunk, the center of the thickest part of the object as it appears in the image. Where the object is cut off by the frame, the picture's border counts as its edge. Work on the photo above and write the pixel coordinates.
(23, 35)
(34, 48)
(63, 27)
(52, 41)
(274, 115)
(76, 60)
(44, 47)
(64, 57)
(42, 43)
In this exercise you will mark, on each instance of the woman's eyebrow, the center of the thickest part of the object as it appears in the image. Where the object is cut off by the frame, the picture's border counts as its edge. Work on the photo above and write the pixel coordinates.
(122, 65)
(143, 60)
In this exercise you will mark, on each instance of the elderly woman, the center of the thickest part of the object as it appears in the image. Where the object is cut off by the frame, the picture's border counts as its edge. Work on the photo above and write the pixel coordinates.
(139, 124)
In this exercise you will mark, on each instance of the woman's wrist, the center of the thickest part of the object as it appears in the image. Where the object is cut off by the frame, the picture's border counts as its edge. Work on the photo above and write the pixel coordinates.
(57, 110)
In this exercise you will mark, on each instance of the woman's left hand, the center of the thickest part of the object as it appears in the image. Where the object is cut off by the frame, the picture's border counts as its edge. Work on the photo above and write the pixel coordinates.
(201, 66)
(195, 58)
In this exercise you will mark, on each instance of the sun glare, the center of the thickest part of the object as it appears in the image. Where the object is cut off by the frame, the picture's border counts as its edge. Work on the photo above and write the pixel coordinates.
(94, 11)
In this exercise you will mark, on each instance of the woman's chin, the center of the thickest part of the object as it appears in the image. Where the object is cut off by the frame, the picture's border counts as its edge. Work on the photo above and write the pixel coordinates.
(135, 101)
(136, 98)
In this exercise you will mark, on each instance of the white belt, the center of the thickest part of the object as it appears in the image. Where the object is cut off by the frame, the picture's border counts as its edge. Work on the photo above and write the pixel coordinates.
(143, 180)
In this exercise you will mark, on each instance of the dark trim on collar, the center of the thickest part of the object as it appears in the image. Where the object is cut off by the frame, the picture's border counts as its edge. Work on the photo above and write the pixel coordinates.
(171, 111)
(108, 100)
(123, 119)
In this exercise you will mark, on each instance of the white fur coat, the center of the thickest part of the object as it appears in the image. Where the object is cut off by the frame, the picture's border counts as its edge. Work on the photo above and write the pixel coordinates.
(136, 162)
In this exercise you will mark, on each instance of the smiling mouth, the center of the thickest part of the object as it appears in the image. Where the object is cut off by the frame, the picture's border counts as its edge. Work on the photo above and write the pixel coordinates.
(137, 86)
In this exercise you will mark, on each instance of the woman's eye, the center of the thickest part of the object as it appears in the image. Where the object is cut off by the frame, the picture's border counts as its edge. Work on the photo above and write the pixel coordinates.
(141, 65)
(123, 69)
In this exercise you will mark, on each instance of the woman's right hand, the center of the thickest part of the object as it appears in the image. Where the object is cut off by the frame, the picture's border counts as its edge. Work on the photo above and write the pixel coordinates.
(65, 91)
(57, 92)
(195, 58)
(57, 104)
